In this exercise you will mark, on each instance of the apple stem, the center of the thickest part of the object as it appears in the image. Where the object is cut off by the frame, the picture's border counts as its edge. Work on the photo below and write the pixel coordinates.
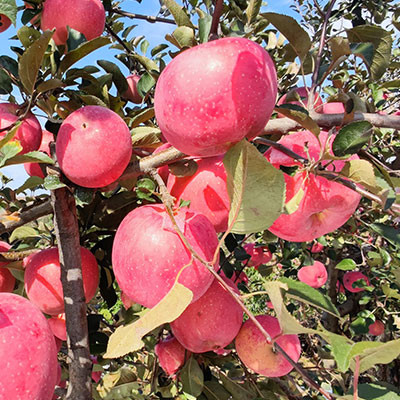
(215, 20)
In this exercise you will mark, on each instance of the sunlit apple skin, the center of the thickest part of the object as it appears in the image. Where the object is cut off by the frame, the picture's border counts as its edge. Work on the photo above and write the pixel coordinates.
(303, 93)
(377, 328)
(258, 255)
(314, 275)
(58, 326)
(28, 354)
(213, 95)
(33, 169)
(171, 355)
(5, 22)
(43, 283)
(148, 254)
(350, 277)
(93, 146)
(85, 16)
(332, 108)
(132, 93)
(258, 355)
(29, 133)
(210, 323)
(325, 206)
(206, 190)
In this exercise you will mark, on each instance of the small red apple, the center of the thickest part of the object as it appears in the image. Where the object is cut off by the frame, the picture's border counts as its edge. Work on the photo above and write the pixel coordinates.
(213, 95)
(132, 93)
(93, 146)
(377, 328)
(332, 108)
(43, 283)
(58, 326)
(5, 22)
(85, 16)
(314, 275)
(258, 354)
(317, 247)
(148, 253)
(352, 276)
(29, 133)
(171, 355)
(303, 94)
(28, 354)
(258, 255)
(33, 169)
(211, 322)
(7, 280)
(206, 190)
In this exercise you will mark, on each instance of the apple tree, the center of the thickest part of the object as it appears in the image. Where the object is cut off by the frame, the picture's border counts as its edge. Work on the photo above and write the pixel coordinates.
(214, 216)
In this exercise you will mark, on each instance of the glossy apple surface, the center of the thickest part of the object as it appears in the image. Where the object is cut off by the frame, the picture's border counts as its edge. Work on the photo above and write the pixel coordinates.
(148, 254)
(33, 169)
(206, 190)
(171, 355)
(302, 92)
(93, 146)
(132, 93)
(213, 95)
(5, 22)
(258, 355)
(58, 326)
(85, 16)
(258, 255)
(377, 328)
(29, 133)
(352, 276)
(314, 275)
(28, 354)
(43, 283)
(211, 322)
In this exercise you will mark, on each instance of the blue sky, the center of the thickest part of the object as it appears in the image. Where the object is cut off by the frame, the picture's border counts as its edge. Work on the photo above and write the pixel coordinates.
(154, 33)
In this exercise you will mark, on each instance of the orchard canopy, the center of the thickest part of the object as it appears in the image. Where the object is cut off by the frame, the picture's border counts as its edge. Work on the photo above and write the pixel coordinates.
(212, 202)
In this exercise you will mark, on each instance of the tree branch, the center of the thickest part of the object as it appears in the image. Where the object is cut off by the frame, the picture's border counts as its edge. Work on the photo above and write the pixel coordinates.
(215, 20)
(147, 18)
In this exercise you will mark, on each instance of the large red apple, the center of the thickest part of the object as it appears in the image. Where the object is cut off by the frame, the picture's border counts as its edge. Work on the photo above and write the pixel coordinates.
(213, 95)
(302, 92)
(171, 355)
(258, 255)
(43, 283)
(33, 169)
(206, 190)
(28, 354)
(210, 323)
(352, 276)
(258, 354)
(5, 22)
(148, 254)
(29, 133)
(132, 93)
(324, 206)
(314, 275)
(93, 146)
(85, 16)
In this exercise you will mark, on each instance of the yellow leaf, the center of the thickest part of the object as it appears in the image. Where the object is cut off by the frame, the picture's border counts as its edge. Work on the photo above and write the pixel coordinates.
(361, 172)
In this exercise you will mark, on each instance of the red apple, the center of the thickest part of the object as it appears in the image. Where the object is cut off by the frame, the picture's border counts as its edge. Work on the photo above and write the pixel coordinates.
(96, 375)
(325, 205)
(148, 254)
(206, 190)
(5, 22)
(314, 275)
(258, 255)
(126, 301)
(7, 280)
(289, 98)
(93, 146)
(164, 170)
(352, 276)
(28, 354)
(85, 16)
(317, 248)
(33, 169)
(333, 108)
(213, 95)
(43, 283)
(210, 323)
(132, 93)
(58, 326)
(377, 328)
(29, 133)
(171, 355)
(258, 354)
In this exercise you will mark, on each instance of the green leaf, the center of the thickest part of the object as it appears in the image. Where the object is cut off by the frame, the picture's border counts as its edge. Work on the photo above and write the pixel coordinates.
(180, 16)
(238, 391)
(82, 51)
(184, 37)
(52, 182)
(5, 83)
(251, 179)
(351, 138)
(33, 156)
(305, 293)
(9, 9)
(9, 150)
(213, 390)
(145, 136)
(252, 10)
(339, 47)
(10, 135)
(204, 28)
(50, 84)
(143, 116)
(341, 347)
(28, 35)
(150, 65)
(346, 265)
(375, 391)
(192, 378)
(9, 65)
(300, 115)
(23, 232)
(382, 42)
(290, 28)
(363, 50)
(75, 39)
(388, 232)
(117, 76)
(145, 84)
(30, 183)
(31, 61)
(361, 172)
(128, 338)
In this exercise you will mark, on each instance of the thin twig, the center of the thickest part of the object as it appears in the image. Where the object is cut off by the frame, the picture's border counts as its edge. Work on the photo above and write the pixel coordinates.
(280, 147)
(356, 376)
(117, 38)
(148, 18)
